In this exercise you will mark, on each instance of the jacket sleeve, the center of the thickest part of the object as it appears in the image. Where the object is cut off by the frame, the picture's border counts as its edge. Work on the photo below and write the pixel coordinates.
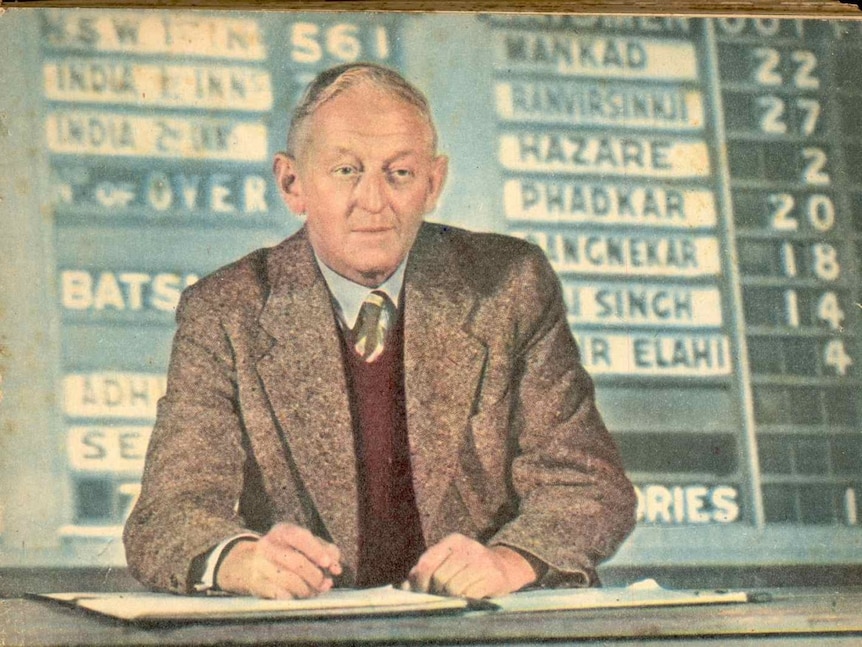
(194, 469)
(575, 504)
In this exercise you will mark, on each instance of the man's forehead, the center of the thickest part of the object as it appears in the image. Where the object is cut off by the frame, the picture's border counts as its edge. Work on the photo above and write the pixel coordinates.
(369, 110)
(367, 91)
(344, 137)
(371, 149)
(398, 153)
(352, 124)
(366, 103)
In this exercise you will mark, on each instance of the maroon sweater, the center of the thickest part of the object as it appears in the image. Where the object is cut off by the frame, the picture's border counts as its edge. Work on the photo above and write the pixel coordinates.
(390, 533)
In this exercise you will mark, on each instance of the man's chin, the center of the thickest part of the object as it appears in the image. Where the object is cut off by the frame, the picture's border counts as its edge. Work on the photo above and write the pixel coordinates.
(371, 259)
(374, 276)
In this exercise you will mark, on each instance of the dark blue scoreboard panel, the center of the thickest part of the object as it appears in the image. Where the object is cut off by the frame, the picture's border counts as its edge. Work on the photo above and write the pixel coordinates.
(695, 183)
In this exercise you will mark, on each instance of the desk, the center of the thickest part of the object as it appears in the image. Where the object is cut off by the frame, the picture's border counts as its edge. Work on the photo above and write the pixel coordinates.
(793, 616)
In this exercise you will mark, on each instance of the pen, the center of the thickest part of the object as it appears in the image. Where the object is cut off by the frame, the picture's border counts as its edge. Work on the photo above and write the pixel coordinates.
(481, 604)
(473, 604)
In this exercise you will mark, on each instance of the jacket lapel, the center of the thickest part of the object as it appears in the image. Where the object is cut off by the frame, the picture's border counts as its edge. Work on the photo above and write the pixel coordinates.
(443, 363)
(303, 376)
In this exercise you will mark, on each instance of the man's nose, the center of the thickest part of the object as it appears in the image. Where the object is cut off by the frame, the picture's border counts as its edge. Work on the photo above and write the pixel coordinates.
(371, 192)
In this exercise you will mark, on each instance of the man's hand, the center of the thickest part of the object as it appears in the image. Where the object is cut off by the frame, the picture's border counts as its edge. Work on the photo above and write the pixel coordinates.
(287, 562)
(463, 567)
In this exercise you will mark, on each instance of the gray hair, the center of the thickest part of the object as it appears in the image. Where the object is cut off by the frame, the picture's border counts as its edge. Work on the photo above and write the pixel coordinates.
(332, 82)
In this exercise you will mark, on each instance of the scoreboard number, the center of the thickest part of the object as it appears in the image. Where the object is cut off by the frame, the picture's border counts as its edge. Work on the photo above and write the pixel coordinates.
(806, 62)
(825, 262)
(811, 113)
(130, 491)
(310, 43)
(835, 357)
(788, 259)
(819, 212)
(772, 119)
(815, 162)
(782, 207)
(829, 310)
(767, 70)
(791, 308)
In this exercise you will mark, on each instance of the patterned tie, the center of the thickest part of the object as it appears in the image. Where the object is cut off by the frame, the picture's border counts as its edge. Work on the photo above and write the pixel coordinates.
(375, 318)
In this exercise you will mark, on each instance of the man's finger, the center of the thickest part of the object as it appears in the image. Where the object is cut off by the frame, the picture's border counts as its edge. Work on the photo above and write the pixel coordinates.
(278, 584)
(430, 561)
(480, 588)
(322, 553)
(420, 575)
(447, 571)
(468, 582)
(293, 583)
(285, 558)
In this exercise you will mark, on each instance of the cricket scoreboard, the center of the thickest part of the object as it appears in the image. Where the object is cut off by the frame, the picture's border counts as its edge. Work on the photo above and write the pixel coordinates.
(695, 183)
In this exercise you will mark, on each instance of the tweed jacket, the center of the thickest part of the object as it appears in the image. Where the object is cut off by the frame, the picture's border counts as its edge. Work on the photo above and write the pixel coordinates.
(505, 441)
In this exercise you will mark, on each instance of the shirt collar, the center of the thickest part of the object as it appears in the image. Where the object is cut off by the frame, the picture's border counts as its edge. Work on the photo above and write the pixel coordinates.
(349, 296)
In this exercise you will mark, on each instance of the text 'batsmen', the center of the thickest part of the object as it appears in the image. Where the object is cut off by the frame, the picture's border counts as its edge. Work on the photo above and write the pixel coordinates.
(656, 355)
(629, 255)
(134, 291)
(564, 152)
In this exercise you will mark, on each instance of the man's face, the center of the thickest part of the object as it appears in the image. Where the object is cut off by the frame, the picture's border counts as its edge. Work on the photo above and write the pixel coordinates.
(365, 176)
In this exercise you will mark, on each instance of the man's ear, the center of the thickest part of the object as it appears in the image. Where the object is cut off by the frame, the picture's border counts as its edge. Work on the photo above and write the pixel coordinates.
(439, 171)
(284, 167)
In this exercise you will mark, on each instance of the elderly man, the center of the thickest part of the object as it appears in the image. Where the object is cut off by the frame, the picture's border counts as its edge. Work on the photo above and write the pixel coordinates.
(375, 400)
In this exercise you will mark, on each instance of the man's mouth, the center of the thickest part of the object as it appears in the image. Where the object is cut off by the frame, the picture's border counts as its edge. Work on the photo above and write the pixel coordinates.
(372, 230)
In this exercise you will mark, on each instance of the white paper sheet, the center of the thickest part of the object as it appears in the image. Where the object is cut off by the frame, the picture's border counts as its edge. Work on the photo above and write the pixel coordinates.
(646, 593)
(156, 607)
(153, 607)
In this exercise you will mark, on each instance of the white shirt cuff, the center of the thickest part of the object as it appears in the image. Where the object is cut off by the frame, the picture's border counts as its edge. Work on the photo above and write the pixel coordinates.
(207, 581)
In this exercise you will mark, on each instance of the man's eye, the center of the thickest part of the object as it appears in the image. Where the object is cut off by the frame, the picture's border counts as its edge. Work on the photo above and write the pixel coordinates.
(400, 174)
(345, 171)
